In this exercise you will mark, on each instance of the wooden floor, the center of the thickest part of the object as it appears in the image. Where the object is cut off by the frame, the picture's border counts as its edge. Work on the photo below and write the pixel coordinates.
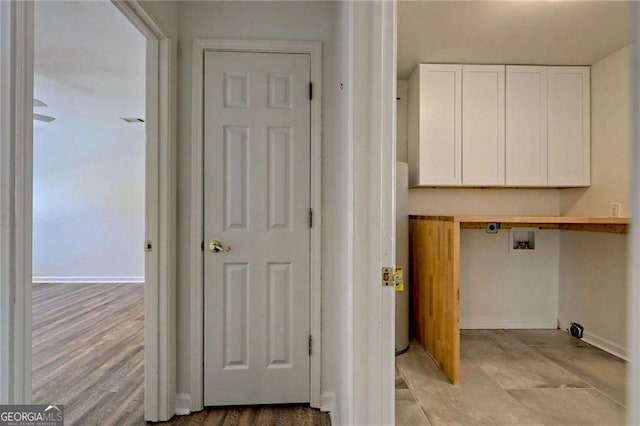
(88, 349)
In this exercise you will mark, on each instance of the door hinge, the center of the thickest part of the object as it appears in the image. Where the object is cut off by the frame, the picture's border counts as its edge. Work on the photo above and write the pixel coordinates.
(310, 218)
(202, 246)
(310, 90)
(148, 246)
(310, 345)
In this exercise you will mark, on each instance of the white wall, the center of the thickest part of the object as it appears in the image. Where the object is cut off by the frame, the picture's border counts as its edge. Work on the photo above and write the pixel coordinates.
(523, 280)
(503, 288)
(266, 20)
(88, 216)
(610, 141)
(593, 267)
(402, 126)
(526, 282)
(593, 287)
(588, 275)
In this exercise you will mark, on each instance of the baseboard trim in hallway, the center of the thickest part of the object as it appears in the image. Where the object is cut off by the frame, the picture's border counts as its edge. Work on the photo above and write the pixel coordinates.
(88, 280)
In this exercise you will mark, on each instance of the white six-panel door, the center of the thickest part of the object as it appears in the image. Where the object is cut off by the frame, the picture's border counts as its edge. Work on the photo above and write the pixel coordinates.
(256, 203)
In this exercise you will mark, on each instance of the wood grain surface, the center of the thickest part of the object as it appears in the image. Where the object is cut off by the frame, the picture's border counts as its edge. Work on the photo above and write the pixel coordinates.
(610, 225)
(434, 257)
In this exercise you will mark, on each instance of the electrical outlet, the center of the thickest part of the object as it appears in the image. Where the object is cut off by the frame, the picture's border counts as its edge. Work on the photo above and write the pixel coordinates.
(614, 209)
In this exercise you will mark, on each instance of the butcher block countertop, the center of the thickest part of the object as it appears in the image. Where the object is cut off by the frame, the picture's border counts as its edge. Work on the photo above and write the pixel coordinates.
(616, 225)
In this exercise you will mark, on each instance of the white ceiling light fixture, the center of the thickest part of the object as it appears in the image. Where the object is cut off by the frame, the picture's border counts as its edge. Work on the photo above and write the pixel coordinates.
(41, 117)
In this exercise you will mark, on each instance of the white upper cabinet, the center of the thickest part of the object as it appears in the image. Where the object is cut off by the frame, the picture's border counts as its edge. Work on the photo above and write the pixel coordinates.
(526, 126)
(435, 126)
(497, 125)
(483, 109)
(569, 127)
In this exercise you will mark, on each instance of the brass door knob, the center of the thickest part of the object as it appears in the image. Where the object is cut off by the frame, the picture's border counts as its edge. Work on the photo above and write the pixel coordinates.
(216, 246)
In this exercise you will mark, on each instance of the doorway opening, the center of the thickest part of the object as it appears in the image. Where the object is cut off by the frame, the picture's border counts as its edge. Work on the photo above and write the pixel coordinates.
(88, 211)
(508, 132)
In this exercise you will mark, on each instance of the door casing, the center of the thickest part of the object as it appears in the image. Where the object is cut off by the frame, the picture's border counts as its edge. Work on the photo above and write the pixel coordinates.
(16, 194)
(314, 49)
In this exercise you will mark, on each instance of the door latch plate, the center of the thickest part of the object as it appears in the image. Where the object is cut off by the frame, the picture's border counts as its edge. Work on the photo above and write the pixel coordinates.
(388, 277)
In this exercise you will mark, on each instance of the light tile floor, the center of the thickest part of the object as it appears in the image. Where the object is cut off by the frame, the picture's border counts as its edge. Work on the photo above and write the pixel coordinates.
(513, 377)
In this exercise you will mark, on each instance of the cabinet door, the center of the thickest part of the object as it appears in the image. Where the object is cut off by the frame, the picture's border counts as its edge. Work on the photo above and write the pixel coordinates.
(435, 125)
(483, 125)
(569, 128)
(526, 131)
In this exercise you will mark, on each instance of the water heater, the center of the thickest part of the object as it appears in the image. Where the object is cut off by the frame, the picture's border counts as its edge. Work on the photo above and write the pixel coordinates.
(402, 256)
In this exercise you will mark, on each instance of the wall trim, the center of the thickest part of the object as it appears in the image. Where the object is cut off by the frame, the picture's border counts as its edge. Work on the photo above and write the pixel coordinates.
(371, 400)
(491, 324)
(196, 270)
(183, 404)
(606, 345)
(16, 195)
(56, 279)
(160, 371)
(329, 406)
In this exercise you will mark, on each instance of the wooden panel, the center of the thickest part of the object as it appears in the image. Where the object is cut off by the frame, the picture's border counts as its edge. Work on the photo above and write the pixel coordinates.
(589, 227)
(530, 219)
(434, 256)
(609, 225)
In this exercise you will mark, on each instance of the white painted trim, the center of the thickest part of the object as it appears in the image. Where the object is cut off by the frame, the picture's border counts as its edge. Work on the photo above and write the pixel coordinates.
(328, 402)
(633, 293)
(6, 199)
(599, 342)
(138, 16)
(329, 405)
(88, 280)
(493, 324)
(183, 404)
(314, 49)
(16, 120)
(374, 97)
(16, 193)
(160, 384)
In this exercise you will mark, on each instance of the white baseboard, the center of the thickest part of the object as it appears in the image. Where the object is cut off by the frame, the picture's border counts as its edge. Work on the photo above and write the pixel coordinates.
(328, 404)
(183, 404)
(88, 280)
(599, 342)
(489, 324)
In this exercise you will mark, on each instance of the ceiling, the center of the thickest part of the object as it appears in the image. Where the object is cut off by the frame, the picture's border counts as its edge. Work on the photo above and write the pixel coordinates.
(510, 32)
(89, 62)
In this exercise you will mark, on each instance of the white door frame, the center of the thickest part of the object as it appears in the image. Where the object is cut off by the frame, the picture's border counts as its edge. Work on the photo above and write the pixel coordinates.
(633, 285)
(16, 194)
(373, 26)
(16, 134)
(314, 49)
